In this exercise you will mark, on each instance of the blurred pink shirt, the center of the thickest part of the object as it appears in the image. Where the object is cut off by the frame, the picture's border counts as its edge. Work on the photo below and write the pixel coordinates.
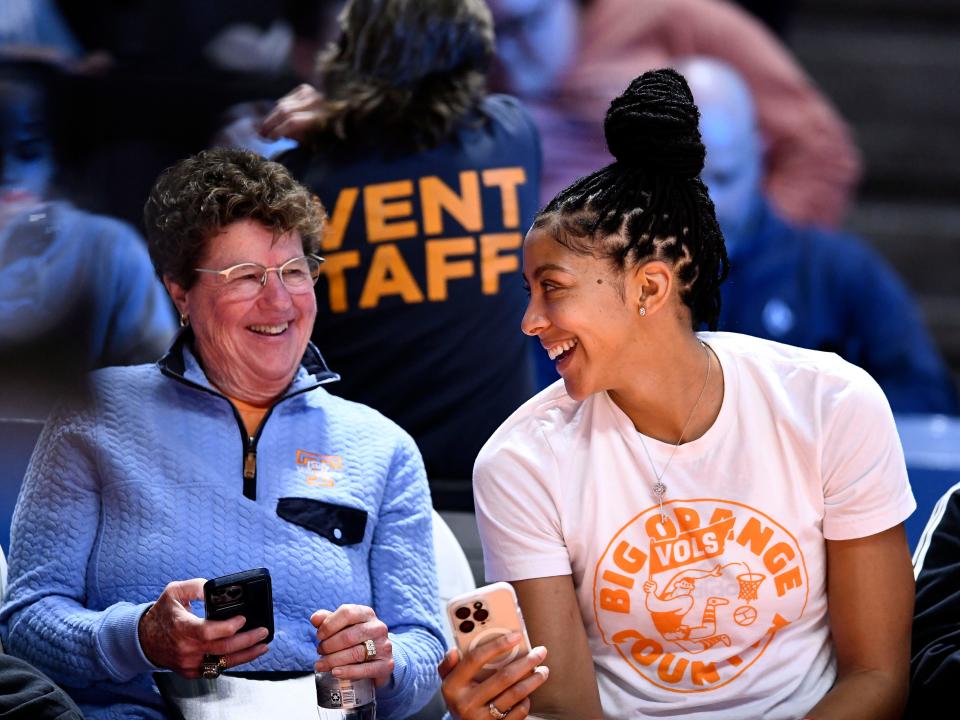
(811, 163)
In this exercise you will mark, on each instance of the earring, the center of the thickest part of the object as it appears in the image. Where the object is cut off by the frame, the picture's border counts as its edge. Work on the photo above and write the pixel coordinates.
(643, 311)
(184, 319)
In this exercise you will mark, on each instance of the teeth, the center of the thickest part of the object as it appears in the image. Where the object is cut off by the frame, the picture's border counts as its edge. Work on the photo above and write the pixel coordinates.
(269, 329)
(559, 349)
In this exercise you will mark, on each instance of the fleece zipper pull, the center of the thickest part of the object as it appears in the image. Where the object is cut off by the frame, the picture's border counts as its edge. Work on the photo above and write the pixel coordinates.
(250, 471)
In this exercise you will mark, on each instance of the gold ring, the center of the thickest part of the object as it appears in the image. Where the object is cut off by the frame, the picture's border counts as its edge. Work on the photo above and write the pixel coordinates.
(497, 712)
(213, 665)
(370, 648)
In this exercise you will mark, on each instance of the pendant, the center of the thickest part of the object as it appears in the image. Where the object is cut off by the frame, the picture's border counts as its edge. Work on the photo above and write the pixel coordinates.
(659, 489)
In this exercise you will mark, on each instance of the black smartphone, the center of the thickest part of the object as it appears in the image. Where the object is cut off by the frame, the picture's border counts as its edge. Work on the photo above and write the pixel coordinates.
(248, 593)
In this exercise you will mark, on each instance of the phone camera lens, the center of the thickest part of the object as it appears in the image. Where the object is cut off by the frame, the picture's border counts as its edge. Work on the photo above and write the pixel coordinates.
(466, 626)
(480, 615)
(478, 604)
(462, 613)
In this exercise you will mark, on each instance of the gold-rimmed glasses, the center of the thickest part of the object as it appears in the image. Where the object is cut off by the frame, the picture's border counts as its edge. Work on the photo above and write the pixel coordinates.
(245, 280)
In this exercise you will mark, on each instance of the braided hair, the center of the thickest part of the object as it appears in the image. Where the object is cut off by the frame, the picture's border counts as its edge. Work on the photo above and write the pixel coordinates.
(649, 204)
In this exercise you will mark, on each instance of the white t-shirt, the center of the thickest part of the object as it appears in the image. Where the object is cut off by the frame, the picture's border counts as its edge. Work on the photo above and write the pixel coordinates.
(721, 612)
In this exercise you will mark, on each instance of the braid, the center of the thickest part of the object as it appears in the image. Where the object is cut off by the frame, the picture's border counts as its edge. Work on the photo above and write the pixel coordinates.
(650, 203)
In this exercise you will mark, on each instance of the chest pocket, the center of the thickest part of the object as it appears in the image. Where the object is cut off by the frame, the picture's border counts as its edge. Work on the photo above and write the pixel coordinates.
(339, 524)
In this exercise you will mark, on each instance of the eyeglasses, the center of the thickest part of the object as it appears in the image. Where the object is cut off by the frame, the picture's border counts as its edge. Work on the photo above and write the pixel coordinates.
(245, 280)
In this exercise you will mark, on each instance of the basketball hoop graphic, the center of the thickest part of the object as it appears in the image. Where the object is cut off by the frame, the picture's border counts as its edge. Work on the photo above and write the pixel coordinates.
(749, 584)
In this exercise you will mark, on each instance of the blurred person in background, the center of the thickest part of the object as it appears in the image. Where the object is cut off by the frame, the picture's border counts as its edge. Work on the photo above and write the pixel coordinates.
(77, 290)
(804, 285)
(431, 183)
(166, 74)
(567, 59)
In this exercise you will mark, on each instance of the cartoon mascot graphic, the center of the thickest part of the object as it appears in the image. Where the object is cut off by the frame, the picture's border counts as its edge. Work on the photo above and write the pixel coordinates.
(692, 598)
(669, 609)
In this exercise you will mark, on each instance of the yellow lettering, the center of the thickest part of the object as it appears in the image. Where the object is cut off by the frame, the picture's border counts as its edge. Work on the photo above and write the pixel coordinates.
(755, 534)
(440, 270)
(333, 269)
(492, 263)
(788, 580)
(389, 275)
(436, 196)
(507, 180)
(337, 227)
(614, 600)
(379, 209)
(777, 557)
(628, 558)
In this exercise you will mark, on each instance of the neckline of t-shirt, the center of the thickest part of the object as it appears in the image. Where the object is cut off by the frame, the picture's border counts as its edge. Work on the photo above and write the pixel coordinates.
(714, 434)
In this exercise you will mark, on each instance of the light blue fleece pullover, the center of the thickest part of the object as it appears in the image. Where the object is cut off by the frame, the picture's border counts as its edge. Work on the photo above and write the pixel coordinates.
(147, 486)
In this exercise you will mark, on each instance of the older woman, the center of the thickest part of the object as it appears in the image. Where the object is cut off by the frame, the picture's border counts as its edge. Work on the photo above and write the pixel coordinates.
(127, 500)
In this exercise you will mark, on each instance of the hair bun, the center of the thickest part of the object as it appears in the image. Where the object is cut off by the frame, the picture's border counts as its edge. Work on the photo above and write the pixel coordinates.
(653, 126)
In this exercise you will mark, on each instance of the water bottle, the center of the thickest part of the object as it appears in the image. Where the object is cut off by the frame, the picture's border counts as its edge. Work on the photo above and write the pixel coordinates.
(341, 699)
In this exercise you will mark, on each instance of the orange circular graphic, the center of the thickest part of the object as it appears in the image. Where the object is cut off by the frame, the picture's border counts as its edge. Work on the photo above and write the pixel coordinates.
(692, 601)
(745, 615)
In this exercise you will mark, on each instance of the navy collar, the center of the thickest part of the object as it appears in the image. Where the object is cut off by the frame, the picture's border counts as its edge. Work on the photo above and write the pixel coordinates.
(181, 362)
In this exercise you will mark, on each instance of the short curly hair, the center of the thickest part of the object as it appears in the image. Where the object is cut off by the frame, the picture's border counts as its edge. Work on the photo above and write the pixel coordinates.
(195, 199)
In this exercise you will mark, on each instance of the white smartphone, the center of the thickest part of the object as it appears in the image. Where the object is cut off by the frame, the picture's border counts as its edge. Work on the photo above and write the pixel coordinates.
(483, 615)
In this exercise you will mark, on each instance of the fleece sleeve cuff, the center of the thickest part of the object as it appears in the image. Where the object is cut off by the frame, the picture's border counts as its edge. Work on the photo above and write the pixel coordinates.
(119, 641)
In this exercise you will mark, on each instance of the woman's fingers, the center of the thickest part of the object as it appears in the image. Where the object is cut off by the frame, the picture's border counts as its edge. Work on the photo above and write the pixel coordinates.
(472, 662)
(356, 652)
(514, 675)
(448, 663)
(341, 618)
(293, 115)
(247, 655)
(236, 643)
(184, 591)
(516, 696)
(507, 688)
(352, 637)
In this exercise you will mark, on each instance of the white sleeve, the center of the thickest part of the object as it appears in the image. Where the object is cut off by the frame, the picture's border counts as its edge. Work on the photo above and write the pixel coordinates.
(515, 481)
(865, 485)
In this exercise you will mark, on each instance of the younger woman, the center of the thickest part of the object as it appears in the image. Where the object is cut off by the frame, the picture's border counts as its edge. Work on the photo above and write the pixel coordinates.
(698, 525)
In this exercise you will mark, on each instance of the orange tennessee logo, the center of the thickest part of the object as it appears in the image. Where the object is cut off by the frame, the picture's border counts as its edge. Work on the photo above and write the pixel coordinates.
(319, 470)
(692, 601)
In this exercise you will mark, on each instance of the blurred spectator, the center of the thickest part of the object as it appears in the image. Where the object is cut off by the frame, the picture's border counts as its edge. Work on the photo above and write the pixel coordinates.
(172, 70)
(431, 184)
(567, 60)
(799, 284)
(35, 30)
(77, 291)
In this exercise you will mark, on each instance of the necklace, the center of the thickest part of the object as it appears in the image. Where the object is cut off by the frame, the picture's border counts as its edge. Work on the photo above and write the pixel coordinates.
(660, 489)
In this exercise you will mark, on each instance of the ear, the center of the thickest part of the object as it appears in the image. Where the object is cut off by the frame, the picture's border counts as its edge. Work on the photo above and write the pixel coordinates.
(178, 294)
(650, 286)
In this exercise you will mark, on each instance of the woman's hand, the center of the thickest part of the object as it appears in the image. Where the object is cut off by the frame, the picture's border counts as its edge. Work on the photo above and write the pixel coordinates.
(295, 114)
(507, 691)
(172, 637)
(342, 635)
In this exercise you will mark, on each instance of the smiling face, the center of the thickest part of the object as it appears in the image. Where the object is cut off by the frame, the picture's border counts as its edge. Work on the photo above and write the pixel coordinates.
(250, 349)
(580, 309)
